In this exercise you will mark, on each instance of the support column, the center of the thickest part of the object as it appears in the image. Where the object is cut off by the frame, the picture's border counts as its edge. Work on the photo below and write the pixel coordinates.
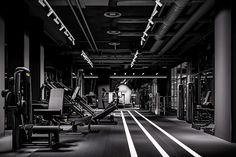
(2, 73)
(36, 31)
(42, 68)
(234, 74)
(67, 70)
(223, 72)
(26, 51)
(79, 81)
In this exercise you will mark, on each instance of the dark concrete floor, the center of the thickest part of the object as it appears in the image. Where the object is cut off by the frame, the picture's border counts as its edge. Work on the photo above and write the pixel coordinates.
(110, 141)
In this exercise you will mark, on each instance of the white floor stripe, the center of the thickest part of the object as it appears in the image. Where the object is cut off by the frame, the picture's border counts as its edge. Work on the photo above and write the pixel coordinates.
(132, 149)
(154, 142)
(171, 137)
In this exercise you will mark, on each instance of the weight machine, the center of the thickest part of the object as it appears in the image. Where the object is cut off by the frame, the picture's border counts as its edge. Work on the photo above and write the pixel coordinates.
(23, 127)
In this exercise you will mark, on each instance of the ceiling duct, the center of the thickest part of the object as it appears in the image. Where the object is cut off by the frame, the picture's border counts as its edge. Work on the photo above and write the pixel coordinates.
(112, 11)
(190, 23)
(169, 20)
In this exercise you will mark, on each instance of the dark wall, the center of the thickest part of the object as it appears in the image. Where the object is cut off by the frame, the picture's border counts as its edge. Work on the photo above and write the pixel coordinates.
(15, 25)
(233, 73)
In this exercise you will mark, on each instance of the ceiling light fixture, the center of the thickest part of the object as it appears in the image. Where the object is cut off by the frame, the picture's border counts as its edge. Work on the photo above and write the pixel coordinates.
(150, 22)
(134, 59)
(87, 59)
(154, 12)
(142, 77)
(114, 42)
(57, 20)
(112, 11)
(113, 31)
(141, 42)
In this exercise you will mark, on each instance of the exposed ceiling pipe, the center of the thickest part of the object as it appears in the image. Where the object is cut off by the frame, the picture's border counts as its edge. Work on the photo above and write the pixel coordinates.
(173, 14)
(112, 3)
(86, 24)
(78, 21)
(191, 22)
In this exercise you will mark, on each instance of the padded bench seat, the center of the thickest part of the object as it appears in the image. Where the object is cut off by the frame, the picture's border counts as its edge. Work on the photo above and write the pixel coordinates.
(78, 121)
(47, 112)
(39, 106)
(46, 129)
(50, 130)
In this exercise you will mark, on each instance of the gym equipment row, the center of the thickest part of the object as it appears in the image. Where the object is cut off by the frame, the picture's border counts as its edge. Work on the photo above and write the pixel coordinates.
(31, 122)
(69, 108)
(19, 104)
(76, 102)
(201, 114)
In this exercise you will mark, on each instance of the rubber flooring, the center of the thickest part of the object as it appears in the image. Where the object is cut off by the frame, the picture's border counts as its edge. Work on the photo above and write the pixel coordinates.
(111, 141)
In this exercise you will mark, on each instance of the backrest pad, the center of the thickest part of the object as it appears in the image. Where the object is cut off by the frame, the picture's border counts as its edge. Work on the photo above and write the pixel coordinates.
(56, 98)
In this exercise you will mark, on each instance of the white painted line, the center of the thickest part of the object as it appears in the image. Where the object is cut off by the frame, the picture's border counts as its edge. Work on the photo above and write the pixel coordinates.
(154, 142)
(132, 149)
(171, 137)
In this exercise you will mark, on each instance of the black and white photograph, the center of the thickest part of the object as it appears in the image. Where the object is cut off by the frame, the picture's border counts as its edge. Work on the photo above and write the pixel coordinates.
(117, 78)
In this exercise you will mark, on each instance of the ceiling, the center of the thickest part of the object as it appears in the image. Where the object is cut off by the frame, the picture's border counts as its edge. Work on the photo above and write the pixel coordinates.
(179, 27)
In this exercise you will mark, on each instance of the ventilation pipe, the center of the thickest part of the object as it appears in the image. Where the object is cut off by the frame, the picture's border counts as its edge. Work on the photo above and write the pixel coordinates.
(188, 25)
(93, 47)
(86, 24)
(169, 20)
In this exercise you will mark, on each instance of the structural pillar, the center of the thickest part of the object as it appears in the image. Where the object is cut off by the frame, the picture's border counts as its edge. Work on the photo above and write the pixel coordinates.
(26, 51)
(224, 70)
(42, 69)
(36, 31)
(234, 74)
(2, 73)
(79, 81)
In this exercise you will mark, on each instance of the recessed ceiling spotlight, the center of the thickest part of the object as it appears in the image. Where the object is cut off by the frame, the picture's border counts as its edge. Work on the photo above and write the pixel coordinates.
(112, 12)
(113, 31)
(114, 42)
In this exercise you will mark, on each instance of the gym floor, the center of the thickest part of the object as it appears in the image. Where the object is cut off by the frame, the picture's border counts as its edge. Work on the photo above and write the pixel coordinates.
(169, 137)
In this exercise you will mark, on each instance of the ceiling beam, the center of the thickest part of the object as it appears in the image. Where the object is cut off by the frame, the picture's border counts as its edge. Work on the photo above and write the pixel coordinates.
(131, 20)
(126, 60)
(148, 2)
(120, 2)
(140, 34)
(113, 57)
